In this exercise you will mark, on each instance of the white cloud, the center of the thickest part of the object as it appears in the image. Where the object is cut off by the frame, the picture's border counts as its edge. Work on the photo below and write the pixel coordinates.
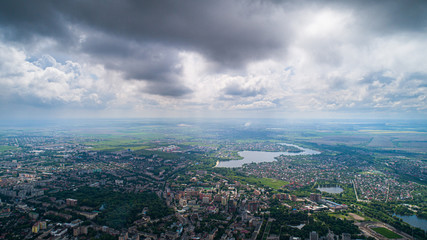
(254, 105)
(48, 83)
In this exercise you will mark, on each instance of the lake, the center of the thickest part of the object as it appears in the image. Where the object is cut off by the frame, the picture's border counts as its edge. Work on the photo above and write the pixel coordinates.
(260, 156)
(414, 221)
(333, 190)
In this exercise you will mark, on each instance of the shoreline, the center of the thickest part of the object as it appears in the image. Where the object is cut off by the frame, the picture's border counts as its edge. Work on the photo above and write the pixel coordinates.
(246, 159)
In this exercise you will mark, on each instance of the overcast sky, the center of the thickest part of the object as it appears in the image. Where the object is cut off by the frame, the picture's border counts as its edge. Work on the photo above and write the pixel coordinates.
(219, 58)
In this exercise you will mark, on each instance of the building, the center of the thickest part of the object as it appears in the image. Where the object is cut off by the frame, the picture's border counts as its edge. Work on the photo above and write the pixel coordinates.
(314, 235)
(76, 231)
(83, 230)
(253, 206)
(346, 236)
(35, 228)
(123, 236)
(224, 201)
(33, 215)
(71, 202)
(42, 225)
(315, 197)
(213, 233)
(89, 215)
(182, 202)
(330, 236)
(59, 232)
(294, 198)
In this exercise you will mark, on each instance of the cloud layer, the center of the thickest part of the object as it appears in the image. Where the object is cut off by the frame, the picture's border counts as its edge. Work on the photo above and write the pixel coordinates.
(142, 58)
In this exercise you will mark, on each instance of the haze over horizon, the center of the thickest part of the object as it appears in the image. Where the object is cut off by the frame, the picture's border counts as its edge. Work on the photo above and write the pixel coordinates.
(278, 59)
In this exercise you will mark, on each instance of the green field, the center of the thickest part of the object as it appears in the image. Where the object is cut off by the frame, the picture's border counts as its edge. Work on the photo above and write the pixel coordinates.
(262, 182)
(273, 183)
(386, 233)
(116, 145)
(4, 148)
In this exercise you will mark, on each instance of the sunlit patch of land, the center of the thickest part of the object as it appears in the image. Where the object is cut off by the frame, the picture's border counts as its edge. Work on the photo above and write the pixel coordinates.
(386, 233)
(266, 182)
(116, 145)
(372, 172)
(356, 217)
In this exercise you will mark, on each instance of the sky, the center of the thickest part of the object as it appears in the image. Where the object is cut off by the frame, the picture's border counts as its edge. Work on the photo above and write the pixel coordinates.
(222, 58)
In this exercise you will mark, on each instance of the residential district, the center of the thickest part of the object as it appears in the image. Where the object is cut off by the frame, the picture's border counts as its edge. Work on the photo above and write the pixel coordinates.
(66, 190)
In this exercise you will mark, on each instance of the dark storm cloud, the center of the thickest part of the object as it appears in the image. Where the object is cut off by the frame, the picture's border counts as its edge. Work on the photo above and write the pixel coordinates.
(24, 21)
(142, 39)
(155, 64)
(227, 32)
(149, 62)
(120, 34)
(391, 16)
(167, 89)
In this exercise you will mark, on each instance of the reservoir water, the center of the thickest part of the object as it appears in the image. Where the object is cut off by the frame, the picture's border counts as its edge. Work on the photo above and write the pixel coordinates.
(414, 221)
(260, 156)
(333, 190)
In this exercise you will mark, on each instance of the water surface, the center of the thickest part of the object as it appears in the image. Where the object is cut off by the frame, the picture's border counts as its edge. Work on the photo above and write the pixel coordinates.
(333, 190)
(414, 221)
(260, 156)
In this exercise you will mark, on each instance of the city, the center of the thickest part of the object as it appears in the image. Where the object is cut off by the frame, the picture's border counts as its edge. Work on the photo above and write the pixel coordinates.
(68, 187)
(213, 120)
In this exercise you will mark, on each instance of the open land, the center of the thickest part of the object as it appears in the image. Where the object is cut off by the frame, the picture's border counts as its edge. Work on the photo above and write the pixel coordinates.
(386, 233)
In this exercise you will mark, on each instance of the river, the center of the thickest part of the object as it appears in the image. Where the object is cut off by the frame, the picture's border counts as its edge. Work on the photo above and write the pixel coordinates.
(260, 156)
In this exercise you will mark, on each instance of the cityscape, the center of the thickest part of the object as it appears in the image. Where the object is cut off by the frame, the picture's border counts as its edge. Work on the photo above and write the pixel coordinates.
(159, 184)
(213, 120)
